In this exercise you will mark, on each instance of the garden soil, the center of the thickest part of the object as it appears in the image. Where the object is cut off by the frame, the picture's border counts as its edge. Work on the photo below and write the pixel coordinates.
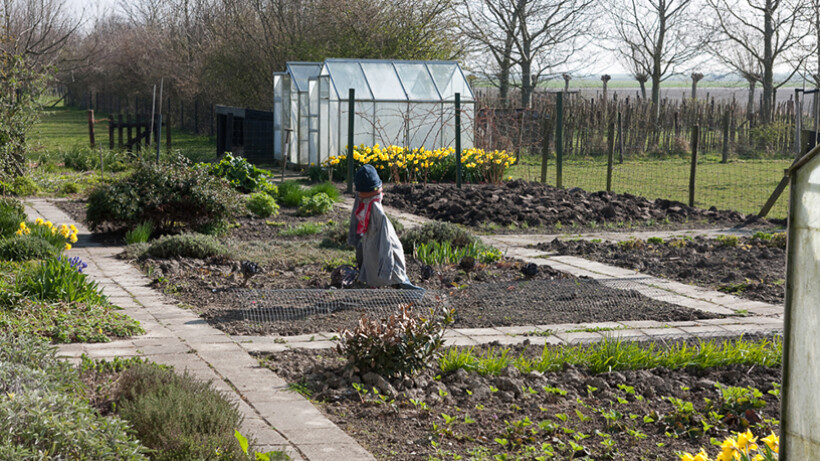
(528, 206)
(633, 408)
(749, 269)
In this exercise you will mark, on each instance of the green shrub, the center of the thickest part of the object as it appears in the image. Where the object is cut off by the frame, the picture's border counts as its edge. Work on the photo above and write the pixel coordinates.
(24, 186)
(12, 214)
(316, 173)
(291, 193)
(70, 188)
(262, 205)
(139, 234)
(336, 235)
(316, 205)
(655, 240)
(134, 250)
(60, 279)
(88, 159)
(176, 415)
(400, 345)
(436, 232)
(198, 246)
(728, 240)
(308, 228)
(26, 248)
(44, 411)
(242, 175)
(327, 188)
(435, 253)
(169, 195)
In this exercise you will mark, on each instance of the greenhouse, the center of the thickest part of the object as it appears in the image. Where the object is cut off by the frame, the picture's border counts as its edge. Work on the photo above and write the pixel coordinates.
(405, 103)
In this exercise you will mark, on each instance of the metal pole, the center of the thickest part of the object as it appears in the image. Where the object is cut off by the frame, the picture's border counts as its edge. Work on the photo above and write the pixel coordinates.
(559, 140)
(159, 133)
(458, 140)
(351, 108)
(798, 116)
(159, 122)
(285, 151)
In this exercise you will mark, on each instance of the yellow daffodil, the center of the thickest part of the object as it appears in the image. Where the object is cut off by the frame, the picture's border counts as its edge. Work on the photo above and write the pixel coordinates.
(67, 246)
(772, 441)
(19, 232)
(702, 456)
(73, 238)
(49, 224)
(73, 228)
(38, 221)
(22, 225)
(687, 457)
(746, 441)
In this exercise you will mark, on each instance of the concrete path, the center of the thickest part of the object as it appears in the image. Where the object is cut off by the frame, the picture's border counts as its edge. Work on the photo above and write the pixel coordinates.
(276, 417)
(283, 420)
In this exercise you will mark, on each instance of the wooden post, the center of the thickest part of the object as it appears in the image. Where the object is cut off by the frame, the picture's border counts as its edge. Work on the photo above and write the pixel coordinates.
(138, 132)
(167, 131)
(693, 168)
(620, 139)
(110, 132)
(725, 158)
(119, 129)
(610, 156)
(91, 126)
(546, 133)
(559, 140)
(129, 131)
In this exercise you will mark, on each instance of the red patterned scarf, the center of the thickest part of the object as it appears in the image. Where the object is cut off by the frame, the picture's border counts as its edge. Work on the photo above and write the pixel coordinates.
(363, 212)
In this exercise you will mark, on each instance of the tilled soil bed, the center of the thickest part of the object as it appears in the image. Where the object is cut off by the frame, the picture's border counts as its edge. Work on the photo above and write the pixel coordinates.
(572, 414)
(495, 295)
(528, 206)
(748, 267)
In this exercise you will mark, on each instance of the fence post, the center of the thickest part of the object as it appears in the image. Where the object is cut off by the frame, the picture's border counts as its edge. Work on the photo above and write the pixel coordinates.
(158, 134)
(693, 168)
(110, 132)
(351, 107)
(546, 132)
(559, 140)
(129, 132)
(620, 139)
(725, 158)
(798, 122)
(91, 126)
(458, 140)
(119, 128)
(610, 156)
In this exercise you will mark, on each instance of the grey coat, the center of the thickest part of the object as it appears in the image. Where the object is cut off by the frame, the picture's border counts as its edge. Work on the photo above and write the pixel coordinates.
(379, 251)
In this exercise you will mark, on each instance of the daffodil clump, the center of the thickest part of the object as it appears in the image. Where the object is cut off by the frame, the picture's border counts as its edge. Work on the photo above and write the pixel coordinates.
(62, 236)
(744, 447)
(400, 164)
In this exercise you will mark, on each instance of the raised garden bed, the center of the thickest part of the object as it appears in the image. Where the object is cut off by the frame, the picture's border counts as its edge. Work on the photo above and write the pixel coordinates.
(527, 206)
(747, 267)
(572, 413)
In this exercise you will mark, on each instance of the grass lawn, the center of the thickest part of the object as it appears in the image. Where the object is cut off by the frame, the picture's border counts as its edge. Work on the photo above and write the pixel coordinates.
(742, 185)
(62, 129)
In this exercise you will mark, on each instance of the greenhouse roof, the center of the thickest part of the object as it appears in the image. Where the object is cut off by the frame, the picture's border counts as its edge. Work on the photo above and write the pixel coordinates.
(388, 80)
(301, 72)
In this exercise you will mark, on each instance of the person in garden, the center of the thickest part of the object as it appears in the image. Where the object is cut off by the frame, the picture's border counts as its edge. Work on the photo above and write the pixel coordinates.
(379, 253)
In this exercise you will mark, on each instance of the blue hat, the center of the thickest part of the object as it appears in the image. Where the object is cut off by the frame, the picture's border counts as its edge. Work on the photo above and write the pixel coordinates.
(367, 179)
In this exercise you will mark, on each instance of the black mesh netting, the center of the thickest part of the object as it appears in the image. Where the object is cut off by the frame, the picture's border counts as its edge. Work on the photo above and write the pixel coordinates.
(521, 302)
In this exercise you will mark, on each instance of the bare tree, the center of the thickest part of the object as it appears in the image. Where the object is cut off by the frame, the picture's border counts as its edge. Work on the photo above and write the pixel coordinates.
(37, 30)
(763, 31)
(550, 35)
(491, 26)
(654, 39)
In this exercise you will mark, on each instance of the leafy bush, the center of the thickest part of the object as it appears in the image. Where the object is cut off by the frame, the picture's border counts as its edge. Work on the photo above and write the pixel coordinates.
(43, 411)
(291, 193)
(185, 246)
(316, 173)
(400, 346)
(23, 186)
(327, 188)
(777, 239)
(60, 279)
(12, 214)
(436, 232)
(26, 248)
(242, 175)
(88, 159)
(70, 188)
(302, 230)
(262, 205)
(170, 196)
(139, 234)
(178, 416)
(315, 205)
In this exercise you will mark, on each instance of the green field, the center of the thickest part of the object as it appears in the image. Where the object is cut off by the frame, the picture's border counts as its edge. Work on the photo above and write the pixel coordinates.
(742, 185)
(62, 129)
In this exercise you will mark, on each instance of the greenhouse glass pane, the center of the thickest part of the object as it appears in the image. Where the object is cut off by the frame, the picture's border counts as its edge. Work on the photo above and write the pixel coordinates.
(390, 123)
(450, 81)
(302, 72)
(348, 75)
(424, 125)
(383, 81)
(417, 82)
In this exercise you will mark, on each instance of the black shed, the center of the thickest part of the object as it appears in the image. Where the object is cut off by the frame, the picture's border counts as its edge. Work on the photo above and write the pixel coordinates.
(245, 132)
